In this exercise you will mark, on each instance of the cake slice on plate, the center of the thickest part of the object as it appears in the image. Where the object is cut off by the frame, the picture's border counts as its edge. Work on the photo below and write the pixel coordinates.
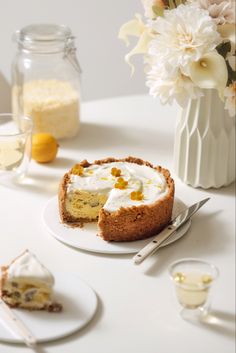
(28, 284)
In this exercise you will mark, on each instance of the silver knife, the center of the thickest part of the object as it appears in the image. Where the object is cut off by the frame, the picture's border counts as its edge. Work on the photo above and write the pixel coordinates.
(15, 325)
(168, 232)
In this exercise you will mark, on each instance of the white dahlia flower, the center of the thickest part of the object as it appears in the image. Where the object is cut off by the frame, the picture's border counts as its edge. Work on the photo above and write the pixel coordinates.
(172, 87)
(183, 36)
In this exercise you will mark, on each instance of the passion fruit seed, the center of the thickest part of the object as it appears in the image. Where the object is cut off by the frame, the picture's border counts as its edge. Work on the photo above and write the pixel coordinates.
(121, 184)
(115, 172)
(136, 196)
(77, 169)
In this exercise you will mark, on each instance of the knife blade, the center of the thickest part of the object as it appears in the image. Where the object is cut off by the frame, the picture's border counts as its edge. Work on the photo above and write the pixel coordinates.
(168, 232)
(15, 325)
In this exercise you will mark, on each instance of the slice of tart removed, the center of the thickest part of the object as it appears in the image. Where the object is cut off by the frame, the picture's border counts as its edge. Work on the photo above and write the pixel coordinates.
(28, 284)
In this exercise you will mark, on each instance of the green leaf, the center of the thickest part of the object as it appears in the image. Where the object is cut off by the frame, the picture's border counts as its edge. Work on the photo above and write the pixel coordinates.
(158, 11)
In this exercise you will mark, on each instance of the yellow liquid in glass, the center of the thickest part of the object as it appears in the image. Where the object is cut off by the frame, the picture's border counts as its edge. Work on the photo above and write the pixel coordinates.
(192, 289)
(11, 154)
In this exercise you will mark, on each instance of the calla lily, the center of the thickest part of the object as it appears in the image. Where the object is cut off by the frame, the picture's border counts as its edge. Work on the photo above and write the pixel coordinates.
(228, 33)
(210, 72)
(140, 48)
(136, 28)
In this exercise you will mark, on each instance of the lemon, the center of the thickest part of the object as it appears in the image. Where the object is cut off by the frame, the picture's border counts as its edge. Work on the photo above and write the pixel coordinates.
(44, 147)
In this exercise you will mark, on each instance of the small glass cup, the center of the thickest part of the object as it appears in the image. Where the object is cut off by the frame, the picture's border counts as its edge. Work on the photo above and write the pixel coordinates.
(15, 146)
(193, 279)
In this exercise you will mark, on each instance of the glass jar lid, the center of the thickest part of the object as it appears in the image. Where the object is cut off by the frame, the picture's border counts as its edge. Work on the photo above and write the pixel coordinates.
(44, 37)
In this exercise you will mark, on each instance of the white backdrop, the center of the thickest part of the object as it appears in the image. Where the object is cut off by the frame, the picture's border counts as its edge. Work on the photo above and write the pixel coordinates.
(95, 24)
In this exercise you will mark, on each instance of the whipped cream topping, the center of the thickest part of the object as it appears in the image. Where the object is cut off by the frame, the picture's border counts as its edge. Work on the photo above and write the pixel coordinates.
(28, 267)
(98, 178)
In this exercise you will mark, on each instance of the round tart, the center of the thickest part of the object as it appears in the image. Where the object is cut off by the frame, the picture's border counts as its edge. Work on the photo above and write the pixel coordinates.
(129, 198)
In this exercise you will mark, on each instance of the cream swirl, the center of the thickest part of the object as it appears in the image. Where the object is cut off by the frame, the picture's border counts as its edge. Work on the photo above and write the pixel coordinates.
(28, 267)
(99, 179)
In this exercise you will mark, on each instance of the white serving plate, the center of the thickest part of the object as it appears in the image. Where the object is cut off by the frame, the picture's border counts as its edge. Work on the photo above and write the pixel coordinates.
(86, 238)
(79, 306)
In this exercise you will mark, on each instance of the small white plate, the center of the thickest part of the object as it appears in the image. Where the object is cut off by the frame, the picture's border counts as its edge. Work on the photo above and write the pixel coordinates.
(86, 238)
(79, 306)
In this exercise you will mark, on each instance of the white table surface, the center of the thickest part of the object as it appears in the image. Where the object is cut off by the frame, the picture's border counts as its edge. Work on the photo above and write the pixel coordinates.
(137, 309)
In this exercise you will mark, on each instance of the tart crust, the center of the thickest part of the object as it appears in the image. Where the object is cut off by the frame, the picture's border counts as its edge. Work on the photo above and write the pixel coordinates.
(127, 223)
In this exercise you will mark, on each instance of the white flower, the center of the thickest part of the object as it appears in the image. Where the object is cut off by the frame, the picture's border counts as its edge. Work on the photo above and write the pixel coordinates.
(210, 72)
(230, 95)
(181, 48)
(136, 28)
(184, 35)
(148, 12)
(222, 11)
(169, 87)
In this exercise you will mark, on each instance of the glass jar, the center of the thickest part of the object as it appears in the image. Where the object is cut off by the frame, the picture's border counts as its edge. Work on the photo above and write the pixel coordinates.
(46, 79)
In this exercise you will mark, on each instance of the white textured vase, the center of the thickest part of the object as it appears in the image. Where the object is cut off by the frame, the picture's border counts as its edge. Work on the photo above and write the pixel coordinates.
(204, 151)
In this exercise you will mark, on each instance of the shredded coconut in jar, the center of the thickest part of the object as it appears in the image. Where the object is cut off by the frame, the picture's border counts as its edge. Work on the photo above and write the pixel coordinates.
(53, 105)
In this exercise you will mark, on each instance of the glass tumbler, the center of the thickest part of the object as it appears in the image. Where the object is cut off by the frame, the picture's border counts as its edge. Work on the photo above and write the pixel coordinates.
(193, 279)
(15, 146)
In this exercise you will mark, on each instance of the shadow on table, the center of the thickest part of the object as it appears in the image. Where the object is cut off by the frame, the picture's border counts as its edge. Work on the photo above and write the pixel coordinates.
(197, 242)
(224, 191)
(37, 183)
(99, 136)
(219, 322)
(62, 163)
